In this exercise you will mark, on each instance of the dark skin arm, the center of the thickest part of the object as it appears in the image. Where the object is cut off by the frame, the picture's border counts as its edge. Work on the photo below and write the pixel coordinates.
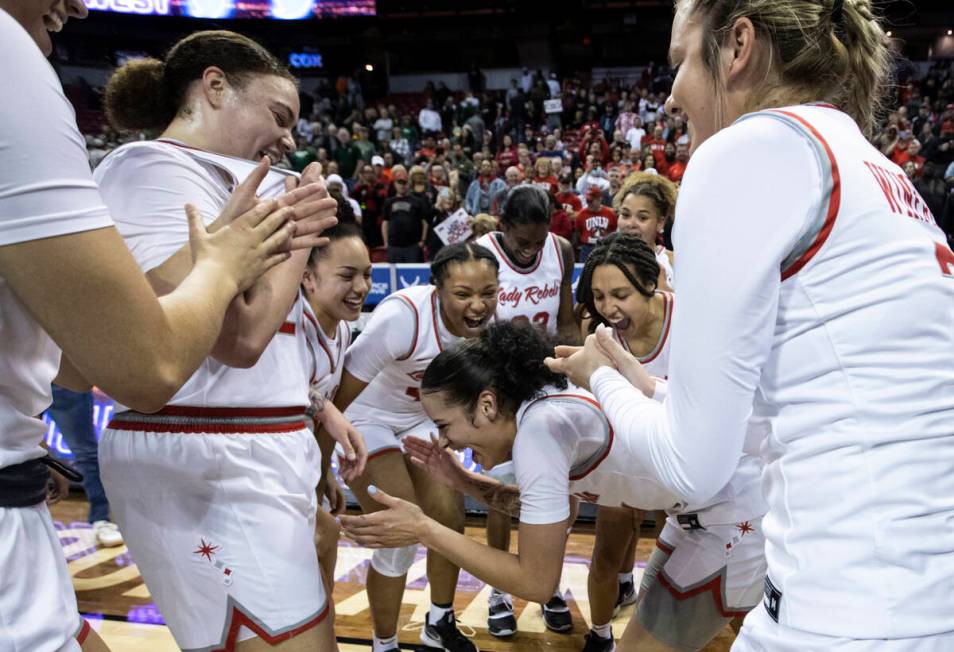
(566, 322)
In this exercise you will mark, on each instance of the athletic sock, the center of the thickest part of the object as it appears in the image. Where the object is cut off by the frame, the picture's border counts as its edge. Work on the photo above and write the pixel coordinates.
(625, 577)
(438, 611)
(383, 644)
(603, 631)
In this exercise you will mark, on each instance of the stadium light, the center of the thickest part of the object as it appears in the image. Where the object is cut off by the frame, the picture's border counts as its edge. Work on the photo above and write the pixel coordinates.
(369, 67)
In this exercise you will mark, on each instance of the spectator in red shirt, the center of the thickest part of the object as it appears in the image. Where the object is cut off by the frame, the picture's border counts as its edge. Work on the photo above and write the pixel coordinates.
(567, 198)
(507, 155)
(656, 143)
(678, 167)
(594, 222)
(543, 177)
(370, 194)
(560, 222)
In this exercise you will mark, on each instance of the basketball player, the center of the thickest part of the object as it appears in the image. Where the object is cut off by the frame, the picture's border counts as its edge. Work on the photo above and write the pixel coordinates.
(69, 284)
(200, 487)
(380, 394)
(336, 283)
(536, 286)
(833, 317)
(644, 205)
(617, 288)
(496, 396)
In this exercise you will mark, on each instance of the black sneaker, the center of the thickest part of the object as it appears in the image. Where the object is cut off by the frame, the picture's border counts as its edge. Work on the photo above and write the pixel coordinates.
(444, 635)
(500, 619)
(557, 616)
(596, 643)
(625, 597)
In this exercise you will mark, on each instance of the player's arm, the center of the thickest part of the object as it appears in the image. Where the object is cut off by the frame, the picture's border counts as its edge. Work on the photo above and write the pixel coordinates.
(566, 321)
(532, 576)
(87, 292)
(726, 318)
(443, 465)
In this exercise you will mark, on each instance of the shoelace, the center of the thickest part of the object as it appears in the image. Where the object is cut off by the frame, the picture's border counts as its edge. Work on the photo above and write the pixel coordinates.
(417, 626)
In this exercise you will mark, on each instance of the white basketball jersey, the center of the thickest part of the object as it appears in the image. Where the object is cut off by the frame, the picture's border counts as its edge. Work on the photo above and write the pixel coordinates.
(665, 264)
(327, 354)
(154, 225)
(394, 395)
(565, 433)
(859, 386)
(531, 294)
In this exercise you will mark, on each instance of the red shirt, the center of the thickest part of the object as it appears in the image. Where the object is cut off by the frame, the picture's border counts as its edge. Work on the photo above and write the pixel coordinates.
(506, 158)
(560, 223)
(594, 225)
(675, 171)
(549, 184)
(570, 201)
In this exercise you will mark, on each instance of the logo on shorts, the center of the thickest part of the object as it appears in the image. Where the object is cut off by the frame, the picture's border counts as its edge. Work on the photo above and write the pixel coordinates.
(207, 550)
(772, 600)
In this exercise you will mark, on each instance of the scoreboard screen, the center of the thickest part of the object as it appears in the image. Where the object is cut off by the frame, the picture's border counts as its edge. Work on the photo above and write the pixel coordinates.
(273, 9)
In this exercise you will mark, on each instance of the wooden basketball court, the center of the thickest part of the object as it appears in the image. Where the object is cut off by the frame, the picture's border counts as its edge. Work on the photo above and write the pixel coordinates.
(114, 598)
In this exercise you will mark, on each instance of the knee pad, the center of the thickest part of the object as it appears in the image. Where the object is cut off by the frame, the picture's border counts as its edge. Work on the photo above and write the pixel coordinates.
(393, 562)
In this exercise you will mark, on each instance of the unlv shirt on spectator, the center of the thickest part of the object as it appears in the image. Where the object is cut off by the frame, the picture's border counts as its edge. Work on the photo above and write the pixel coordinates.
(595, 225)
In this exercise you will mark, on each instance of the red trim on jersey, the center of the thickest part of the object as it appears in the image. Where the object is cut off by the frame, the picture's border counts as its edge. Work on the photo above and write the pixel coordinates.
(668, 301)
(506, 258)
(417, 319)
(321, 340)
(288, 328)
(239, 619)
(208, 429)
(434, 311)
(609, 444)
(834, 200)
(128, 421)
(665, 547)
(83, 631)
(713, 586)
(826, 105)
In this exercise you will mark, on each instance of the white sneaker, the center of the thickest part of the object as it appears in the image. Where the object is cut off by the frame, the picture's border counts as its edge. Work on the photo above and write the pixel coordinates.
(107, 534)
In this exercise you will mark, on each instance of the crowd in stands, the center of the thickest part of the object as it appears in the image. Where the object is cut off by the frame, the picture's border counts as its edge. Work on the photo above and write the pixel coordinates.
(405, 164)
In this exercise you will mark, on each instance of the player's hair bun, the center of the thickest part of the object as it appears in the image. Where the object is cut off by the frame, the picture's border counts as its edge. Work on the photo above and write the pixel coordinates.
(134, 98)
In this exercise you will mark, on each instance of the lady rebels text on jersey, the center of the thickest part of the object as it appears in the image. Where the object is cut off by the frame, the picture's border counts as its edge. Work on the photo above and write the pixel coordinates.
(531, 294)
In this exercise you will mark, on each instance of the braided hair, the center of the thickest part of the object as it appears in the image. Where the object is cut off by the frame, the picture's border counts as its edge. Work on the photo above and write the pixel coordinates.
(634, 258)
(507, 357)
(459, 252)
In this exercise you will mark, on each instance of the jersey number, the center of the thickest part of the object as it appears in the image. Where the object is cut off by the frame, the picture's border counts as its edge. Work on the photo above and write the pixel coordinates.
(945, 258)
(414, 393)
(540, 320)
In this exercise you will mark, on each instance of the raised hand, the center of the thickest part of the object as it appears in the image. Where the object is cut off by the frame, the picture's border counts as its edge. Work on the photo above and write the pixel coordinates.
(246, 248)
(579, 363)
(400, 524)
(624, 361)
(435, 459)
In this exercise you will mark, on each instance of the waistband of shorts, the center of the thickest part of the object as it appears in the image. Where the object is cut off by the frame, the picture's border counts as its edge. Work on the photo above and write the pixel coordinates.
(213, 420)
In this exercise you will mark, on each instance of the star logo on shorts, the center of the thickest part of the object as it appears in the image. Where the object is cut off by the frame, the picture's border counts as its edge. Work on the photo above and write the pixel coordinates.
(206, 550)
(744, 528)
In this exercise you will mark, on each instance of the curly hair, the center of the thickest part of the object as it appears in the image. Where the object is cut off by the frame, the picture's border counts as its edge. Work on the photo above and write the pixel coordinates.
(658, 189)
(507, 358)
(634, 258)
